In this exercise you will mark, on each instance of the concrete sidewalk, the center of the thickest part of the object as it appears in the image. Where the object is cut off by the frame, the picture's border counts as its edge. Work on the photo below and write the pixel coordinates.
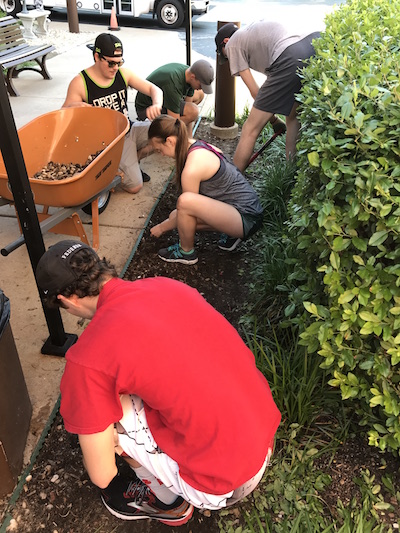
(120, 225)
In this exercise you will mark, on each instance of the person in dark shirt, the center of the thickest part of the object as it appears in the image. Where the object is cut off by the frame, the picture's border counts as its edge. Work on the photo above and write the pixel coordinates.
(105, 84)
(183, 89)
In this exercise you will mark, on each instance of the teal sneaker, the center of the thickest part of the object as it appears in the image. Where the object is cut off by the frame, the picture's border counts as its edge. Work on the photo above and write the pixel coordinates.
(175, 254)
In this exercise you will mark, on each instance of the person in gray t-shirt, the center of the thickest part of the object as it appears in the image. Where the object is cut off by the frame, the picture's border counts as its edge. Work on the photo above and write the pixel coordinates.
(277, 52)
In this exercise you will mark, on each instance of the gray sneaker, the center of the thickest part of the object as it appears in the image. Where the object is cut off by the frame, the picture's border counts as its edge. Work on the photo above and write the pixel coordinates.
(228, 244)
(175, 254)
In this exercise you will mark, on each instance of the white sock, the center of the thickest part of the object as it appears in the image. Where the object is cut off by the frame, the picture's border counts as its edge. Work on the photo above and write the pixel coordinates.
(155, 485)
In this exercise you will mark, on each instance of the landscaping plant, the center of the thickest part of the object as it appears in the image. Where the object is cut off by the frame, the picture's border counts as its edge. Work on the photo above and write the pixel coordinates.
(345, 210)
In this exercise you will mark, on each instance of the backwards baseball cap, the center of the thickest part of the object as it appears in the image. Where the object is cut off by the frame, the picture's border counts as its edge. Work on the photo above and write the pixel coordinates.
(54, 272)
(226, 31)
(204, 72)
(108, 45)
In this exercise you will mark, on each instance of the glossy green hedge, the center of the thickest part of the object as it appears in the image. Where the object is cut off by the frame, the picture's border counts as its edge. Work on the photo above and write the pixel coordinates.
(346, 208)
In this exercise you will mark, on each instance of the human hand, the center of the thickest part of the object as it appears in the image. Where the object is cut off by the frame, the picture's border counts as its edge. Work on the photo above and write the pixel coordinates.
(156, 231)
(153, 111)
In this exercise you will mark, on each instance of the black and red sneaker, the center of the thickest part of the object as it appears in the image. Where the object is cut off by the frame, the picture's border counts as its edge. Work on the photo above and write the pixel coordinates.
(133, 500)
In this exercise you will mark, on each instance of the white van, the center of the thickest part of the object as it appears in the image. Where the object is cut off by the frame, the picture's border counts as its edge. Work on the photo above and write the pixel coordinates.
(170, 13)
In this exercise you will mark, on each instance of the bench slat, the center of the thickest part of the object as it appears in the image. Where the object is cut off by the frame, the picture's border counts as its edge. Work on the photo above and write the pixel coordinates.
(26, 55)
(14, 50)
(11, 34)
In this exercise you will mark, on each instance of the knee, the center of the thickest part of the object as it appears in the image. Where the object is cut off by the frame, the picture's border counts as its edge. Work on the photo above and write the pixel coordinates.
(198, 96)
(184, 201)
(190, 113)
(132, 190)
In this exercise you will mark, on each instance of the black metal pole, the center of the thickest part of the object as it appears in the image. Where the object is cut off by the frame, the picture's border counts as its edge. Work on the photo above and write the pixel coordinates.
(188, 26)
(10, 147)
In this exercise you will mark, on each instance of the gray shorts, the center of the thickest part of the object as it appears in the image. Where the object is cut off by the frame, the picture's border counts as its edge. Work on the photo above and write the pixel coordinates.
(251, 224)
(277, 94)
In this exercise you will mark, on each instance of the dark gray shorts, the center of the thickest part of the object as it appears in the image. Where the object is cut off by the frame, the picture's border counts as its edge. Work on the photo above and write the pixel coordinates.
(251, 223)
(141, 115)
(277, 94)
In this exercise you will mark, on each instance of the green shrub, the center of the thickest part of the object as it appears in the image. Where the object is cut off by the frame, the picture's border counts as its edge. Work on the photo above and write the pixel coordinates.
(346, 209)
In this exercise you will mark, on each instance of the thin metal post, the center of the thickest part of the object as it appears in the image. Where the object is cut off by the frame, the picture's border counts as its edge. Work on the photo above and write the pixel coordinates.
(188, 26)
(11, 151)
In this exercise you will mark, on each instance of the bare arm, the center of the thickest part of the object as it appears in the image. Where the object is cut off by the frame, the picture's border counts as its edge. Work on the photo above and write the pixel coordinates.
(99, 456)
(249, 80)
(172, 114)
(166, 225)
(76, 94)
(149, 89)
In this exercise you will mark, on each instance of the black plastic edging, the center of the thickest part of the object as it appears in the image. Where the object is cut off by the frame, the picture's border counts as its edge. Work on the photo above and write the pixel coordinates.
(35, 453)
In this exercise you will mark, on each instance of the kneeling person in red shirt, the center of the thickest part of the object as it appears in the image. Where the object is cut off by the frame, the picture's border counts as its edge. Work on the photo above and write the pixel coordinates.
(161, 378)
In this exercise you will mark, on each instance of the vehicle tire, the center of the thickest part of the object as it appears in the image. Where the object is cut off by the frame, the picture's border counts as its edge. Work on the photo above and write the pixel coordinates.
(102, 200)
(170, 14)
(11, 7)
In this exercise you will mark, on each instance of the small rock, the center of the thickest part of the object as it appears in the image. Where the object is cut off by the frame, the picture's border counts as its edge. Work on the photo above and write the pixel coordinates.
(13, 526)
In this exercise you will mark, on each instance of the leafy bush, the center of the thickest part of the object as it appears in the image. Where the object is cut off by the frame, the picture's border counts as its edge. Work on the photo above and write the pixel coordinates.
(346, 209)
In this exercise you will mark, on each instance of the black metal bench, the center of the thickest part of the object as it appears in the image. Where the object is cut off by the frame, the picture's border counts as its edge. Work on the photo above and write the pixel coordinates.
(14, 51)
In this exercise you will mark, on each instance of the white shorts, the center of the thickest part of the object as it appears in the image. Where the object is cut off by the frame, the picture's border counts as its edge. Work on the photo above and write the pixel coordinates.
(135, 440)
(135, 140)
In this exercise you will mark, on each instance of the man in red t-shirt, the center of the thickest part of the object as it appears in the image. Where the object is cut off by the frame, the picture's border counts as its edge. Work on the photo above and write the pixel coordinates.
(162, 379)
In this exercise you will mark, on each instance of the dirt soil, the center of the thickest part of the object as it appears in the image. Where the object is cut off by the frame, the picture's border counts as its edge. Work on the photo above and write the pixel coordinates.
(58, 497)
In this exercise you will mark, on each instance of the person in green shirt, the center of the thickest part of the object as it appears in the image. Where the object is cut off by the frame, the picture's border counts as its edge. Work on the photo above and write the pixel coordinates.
(183, 89)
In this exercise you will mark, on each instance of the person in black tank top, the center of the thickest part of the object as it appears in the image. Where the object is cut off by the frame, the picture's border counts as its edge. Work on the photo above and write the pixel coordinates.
(105, 84)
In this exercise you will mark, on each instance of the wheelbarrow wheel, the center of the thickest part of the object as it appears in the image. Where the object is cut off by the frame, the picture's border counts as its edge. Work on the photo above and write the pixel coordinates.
(102, 200)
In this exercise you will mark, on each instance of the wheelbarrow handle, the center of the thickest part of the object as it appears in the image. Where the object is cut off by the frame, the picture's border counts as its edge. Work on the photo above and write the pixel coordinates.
(263, 147)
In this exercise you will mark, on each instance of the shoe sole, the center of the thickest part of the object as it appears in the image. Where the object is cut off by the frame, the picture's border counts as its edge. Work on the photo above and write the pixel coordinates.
(233, 247)
(183, 261)
(169, 522)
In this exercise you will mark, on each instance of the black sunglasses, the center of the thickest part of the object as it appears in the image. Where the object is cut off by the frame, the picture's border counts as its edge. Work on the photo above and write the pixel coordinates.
(112, 64)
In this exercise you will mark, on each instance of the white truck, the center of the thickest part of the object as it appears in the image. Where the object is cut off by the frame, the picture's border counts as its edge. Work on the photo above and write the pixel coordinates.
(169, 13)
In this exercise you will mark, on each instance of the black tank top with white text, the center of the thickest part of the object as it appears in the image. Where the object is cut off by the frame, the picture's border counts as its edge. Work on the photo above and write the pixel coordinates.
(114, 96)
